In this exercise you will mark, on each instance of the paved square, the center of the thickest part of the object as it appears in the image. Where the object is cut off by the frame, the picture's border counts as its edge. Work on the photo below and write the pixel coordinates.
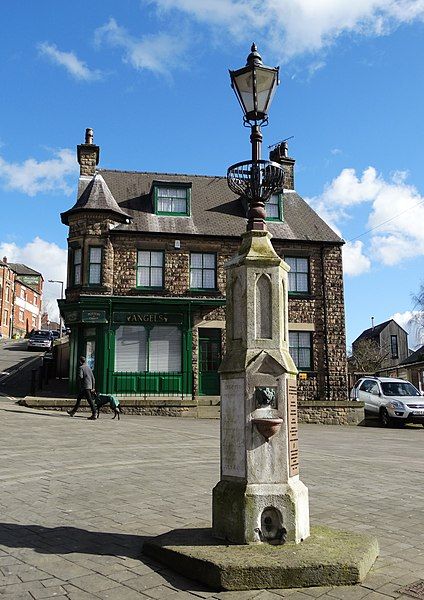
(78, 497)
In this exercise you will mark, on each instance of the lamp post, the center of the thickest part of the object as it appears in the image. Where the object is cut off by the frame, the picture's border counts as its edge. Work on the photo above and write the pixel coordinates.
(61, 297)
(255, 180)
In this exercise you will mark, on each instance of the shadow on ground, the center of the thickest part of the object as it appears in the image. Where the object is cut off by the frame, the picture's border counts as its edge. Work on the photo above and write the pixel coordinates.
(68, 540)
(64, 540)
(375, 423)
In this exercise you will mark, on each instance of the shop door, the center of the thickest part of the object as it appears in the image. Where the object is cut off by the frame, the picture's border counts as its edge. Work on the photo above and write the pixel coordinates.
(209, 361)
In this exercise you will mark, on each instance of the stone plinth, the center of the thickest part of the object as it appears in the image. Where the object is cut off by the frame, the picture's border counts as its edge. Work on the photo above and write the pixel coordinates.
(327, 558)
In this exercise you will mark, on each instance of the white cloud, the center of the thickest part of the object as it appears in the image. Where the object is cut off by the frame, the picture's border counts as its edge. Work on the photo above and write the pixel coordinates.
(47, 258)
(157, 52)
(354, 261)
(409, 320)
(293, 27)
(75, 67)
(396, 212)
(32, 177)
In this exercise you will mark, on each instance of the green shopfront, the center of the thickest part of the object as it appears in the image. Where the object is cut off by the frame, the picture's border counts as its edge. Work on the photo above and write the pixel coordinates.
(138, 346)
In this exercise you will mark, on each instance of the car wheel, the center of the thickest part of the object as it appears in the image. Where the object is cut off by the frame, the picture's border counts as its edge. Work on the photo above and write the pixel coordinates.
(385, 418)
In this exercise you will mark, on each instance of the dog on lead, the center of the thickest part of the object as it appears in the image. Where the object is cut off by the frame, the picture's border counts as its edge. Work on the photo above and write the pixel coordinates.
(107, 400)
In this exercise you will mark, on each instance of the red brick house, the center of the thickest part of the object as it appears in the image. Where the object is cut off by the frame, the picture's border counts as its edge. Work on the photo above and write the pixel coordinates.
(21, 298)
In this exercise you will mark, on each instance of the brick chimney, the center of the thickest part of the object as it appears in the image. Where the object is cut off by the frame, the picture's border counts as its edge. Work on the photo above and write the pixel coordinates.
(88, 154)
(280, 154)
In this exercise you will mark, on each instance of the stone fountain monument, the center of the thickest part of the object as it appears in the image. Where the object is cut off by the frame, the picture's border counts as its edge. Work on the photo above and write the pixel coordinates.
(260, 497)
(260, 536)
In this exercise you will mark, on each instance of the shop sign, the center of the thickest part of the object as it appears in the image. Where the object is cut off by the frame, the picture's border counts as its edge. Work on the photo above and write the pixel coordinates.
(137, 318)
(94, 316)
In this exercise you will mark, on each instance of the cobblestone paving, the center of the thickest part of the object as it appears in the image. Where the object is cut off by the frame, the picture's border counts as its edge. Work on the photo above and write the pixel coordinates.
(78, 497)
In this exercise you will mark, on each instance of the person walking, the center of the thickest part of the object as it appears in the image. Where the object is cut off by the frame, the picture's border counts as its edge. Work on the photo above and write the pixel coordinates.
(87, 385)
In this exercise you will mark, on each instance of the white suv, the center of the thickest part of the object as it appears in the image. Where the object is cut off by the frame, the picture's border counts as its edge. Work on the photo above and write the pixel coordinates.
(394, 401)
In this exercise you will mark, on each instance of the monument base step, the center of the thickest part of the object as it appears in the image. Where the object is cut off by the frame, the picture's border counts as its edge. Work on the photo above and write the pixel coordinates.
(329, 557)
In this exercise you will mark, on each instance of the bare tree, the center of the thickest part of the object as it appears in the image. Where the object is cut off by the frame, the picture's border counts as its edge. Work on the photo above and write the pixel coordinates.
(417, 320)
(367, 357)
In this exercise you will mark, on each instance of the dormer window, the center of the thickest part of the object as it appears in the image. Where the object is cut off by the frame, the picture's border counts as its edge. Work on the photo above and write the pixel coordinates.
(274, 208)
(172, 199)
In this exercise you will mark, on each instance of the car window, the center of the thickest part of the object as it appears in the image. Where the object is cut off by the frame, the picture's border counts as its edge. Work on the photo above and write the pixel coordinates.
(41, 334)
(374, 388)
(399, 388)
(365, 387)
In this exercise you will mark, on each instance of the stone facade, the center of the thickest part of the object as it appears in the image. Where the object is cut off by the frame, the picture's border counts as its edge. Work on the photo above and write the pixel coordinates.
(319, 311)
(322, 309)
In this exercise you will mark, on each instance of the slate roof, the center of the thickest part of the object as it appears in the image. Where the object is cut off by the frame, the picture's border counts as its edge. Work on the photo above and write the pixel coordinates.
(374, 332)
(215, 210)
(21, 269)
(415, 357)
(94, 194)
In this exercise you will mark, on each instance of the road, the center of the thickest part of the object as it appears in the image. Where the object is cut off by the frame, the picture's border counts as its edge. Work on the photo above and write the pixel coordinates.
(15, 366)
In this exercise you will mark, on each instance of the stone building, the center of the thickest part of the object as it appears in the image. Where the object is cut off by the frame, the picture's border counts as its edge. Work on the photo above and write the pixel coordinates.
(145, 296)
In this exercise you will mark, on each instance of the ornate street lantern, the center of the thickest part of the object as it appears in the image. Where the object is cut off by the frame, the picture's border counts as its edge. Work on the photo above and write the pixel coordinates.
(255, 180)
(254, 86)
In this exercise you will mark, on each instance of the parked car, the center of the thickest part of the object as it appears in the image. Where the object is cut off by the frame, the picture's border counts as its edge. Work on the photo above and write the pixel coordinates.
(394, 401)
(40, 340)
(55, 334)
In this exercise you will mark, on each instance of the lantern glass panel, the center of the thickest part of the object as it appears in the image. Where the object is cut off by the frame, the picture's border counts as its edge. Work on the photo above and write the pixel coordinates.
(244, 86)
(266, 81)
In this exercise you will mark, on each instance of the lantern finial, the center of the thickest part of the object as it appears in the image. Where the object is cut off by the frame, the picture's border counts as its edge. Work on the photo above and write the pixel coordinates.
(254, 58)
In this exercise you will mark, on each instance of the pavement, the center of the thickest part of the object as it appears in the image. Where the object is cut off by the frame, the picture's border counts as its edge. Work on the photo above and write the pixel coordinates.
(78, 498)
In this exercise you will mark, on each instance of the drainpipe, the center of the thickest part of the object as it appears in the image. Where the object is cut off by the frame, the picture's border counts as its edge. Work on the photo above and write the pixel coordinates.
(324, 301)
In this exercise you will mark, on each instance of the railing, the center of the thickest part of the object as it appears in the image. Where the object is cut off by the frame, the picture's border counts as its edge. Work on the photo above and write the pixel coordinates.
(151, 383)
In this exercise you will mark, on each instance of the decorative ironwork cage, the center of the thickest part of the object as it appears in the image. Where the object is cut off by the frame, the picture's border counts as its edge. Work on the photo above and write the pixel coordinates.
(255, 180)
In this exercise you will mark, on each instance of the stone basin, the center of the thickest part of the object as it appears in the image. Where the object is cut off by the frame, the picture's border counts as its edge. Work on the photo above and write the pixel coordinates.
(268, 426)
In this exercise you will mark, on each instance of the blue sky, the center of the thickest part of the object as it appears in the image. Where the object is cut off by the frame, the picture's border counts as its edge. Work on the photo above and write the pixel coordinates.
(151, 78)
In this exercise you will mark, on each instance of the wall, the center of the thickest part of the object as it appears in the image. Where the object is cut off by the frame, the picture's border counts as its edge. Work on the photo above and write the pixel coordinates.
(7, 279)
(26, 313)
(393, 328)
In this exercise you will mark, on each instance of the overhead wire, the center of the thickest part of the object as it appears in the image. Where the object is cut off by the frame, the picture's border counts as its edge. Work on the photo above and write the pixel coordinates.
(384, 222)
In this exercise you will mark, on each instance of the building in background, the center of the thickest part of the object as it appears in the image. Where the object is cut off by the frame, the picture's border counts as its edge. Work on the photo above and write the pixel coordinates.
(390, 341)
(145, 297)
(46, 323)
(412, 368)
(7, 290)
(21, 298)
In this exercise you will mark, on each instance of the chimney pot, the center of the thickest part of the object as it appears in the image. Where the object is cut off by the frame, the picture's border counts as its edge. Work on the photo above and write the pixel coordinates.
(89, 136)
(5, 259)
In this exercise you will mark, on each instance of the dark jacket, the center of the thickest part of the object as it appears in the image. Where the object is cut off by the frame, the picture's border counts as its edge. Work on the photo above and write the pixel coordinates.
(86, 378)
